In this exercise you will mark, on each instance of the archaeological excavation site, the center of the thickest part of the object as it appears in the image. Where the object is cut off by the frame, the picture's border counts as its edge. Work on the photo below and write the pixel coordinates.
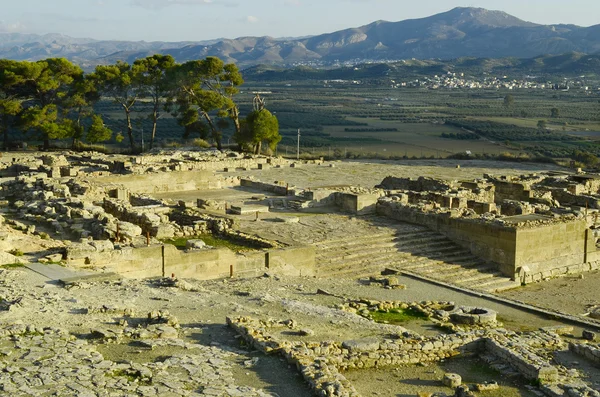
(215, 273)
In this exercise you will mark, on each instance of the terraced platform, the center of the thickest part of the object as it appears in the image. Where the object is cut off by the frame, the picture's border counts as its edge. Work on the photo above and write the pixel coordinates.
(411, 248)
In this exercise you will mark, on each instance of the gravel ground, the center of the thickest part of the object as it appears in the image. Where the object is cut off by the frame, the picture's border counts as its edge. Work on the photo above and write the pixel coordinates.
(203, 341)
(371, 173)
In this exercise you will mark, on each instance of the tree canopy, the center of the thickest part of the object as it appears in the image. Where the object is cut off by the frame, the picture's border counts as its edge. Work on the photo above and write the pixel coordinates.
(55, 99)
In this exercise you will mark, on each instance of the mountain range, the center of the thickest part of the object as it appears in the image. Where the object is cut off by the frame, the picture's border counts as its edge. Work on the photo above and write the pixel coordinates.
(460, 32)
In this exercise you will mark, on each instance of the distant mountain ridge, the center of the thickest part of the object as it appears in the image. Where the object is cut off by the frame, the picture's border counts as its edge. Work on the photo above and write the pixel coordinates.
(541, 68)
(460, 32)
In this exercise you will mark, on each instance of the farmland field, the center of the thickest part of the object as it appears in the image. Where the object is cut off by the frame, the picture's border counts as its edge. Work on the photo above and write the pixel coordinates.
(373, 120)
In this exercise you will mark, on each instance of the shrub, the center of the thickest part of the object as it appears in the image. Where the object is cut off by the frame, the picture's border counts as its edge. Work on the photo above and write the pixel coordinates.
(200, 143)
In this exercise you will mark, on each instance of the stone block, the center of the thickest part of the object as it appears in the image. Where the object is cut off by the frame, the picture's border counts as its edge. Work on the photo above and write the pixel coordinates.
(362, 345)
(195, 244)
(452, 380)
(588, 335)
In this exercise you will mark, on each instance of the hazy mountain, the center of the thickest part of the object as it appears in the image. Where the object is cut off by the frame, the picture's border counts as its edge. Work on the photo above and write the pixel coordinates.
(461, 32)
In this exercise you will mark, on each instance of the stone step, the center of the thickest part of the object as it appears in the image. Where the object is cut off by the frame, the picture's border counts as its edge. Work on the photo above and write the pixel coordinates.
(384, 249)
(392, 259)
(353, 264)
(345, 252)
(358, 244)
(430, 258)
(502, 284)
(490, 282)
(439, 271)
(387, 260)
(473, 277)
(348, 241)
(448, 271)
(359, 272)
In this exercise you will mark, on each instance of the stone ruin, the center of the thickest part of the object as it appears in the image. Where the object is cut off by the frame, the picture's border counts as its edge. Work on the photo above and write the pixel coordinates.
(531, 227)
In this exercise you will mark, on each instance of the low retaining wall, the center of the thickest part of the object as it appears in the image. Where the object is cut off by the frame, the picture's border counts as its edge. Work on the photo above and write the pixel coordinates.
(530, 365)
(281, 190)
(590, 352)
(176, 181)
(321, 362)
(164, 260)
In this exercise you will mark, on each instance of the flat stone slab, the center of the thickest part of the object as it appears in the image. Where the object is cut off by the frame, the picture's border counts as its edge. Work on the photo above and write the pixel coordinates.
(54, 272)
(91, 278)
(249, 209)
(362, 345)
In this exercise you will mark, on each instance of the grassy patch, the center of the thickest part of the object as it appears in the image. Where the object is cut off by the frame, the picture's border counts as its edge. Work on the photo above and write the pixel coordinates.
(213, 241)
(133, 376)
(397, 316)
(12, 266)
(16, 252)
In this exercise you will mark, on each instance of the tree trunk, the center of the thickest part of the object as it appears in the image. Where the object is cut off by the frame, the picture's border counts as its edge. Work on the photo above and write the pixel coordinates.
(235, 116)
(258, 147)
(5, 133)
(154, 122)
(216, 135)
(130, 130)
(46, 142)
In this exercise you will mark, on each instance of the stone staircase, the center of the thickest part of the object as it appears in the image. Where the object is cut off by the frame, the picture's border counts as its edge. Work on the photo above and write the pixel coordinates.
(408, 248)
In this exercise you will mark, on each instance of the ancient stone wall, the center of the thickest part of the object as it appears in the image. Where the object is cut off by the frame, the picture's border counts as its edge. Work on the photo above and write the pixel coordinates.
(279, 189)
(361, 204)
(166, 181)
(541, 249)
(589, 351)
(205, 264)
(527, 253)
(491, 242)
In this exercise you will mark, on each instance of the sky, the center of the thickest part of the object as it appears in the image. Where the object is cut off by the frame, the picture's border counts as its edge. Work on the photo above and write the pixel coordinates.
(195, 20)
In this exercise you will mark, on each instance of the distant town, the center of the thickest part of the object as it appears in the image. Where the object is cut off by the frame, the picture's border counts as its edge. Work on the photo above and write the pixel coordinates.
(453, 80)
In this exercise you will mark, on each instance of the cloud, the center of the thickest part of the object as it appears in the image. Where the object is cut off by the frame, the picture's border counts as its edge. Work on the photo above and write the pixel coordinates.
(295, 3)
(157, 4)
(251, 19)
(11, 27)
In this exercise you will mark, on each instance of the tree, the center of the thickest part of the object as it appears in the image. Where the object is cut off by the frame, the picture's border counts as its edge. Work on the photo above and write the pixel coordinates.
(554, 113)
(117, 82)
(98, 132)
(44, 87)
(541, 124)
(209, 86)
(10, 104)
(152, 75)
(260, 126)
(509, 100)
(80, 104)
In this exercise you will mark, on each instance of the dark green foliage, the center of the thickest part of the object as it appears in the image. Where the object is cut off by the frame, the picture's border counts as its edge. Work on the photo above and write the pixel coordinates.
(501, 132)
(371, 129)
(98, 132)
(260, 126)
(460, 135)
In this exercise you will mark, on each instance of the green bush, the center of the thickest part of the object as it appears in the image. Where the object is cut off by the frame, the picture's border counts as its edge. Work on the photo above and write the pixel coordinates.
(200, 143)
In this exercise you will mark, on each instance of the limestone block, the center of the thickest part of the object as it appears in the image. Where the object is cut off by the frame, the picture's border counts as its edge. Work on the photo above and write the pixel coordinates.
(102, 245)
(362, 345)
(452, 380)
(195, 244)
(588, 335)
(129, 230)
(164, 231)
(8, 259)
